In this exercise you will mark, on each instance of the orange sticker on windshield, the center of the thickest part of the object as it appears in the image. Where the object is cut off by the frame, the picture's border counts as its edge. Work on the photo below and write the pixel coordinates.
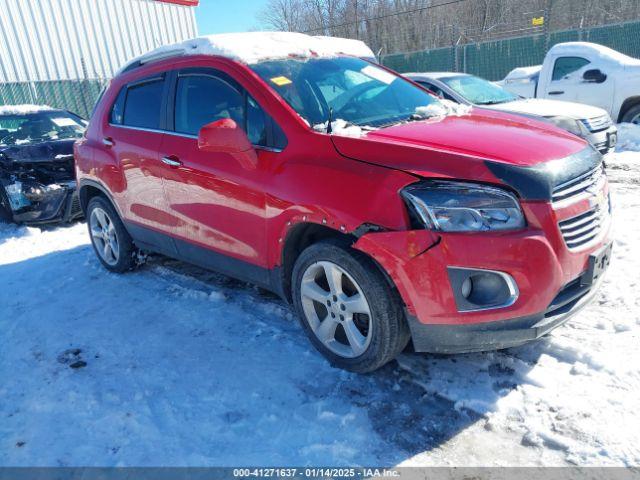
(281, 81)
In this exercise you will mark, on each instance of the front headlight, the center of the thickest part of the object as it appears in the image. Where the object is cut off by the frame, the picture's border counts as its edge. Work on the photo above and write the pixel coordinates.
(463, 207)
(568, 124)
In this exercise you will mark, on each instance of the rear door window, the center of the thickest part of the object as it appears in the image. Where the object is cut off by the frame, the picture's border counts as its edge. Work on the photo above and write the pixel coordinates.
(142, 105)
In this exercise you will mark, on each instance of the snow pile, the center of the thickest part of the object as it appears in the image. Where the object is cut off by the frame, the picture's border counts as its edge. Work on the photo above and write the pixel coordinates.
(624, 166)
(628, 137)
(22, 109)
(443, 108)
(254, 47)
(343, 128)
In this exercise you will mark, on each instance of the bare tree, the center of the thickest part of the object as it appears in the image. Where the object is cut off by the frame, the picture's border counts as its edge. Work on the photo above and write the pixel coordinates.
(409, 25)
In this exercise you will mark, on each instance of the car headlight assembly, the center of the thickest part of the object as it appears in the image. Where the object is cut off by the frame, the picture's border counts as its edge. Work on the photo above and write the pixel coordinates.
(450, 206)
(568, 124)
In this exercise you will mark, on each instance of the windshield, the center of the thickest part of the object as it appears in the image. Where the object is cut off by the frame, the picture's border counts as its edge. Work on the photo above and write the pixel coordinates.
(37, 127)
(478, 91)
(356, 91)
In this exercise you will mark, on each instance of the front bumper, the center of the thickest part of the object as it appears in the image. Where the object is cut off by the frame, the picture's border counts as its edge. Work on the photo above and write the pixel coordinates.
(605, 140)
(448, 339)
(55, 203)
(547, 273)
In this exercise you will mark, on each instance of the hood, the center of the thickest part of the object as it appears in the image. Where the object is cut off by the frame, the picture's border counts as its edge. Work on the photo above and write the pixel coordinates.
(44, 152)
(549, 108)
(459, 146)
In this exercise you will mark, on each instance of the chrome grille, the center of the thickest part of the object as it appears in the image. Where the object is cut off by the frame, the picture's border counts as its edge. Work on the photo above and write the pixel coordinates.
(578, 187)
(583, 229)
(597, 124)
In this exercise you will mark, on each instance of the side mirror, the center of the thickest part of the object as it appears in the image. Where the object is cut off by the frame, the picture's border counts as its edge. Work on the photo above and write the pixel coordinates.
(225, 136)
(594, 76)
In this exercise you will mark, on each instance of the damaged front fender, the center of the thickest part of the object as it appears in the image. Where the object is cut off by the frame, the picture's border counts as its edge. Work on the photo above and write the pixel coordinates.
(394, 252)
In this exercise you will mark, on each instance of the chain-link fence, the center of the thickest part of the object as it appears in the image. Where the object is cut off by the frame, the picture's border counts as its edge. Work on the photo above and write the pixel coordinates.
(494, 59)
(77, 96)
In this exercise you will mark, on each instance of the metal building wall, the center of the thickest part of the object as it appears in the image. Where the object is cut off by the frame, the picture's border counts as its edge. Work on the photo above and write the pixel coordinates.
(53, 40)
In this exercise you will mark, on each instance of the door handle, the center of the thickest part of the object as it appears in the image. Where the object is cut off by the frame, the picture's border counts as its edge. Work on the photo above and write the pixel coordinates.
(557, 92)
(172, 161)
(108, 141)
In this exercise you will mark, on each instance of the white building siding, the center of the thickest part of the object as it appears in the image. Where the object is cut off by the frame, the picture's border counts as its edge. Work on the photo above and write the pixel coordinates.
(43, 40)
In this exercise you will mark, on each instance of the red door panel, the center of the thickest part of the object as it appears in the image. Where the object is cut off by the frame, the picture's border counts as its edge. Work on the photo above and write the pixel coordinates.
(218, 204)
(135, 152)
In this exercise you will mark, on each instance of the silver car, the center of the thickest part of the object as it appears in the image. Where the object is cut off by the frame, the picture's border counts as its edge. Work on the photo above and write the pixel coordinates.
(591, 123)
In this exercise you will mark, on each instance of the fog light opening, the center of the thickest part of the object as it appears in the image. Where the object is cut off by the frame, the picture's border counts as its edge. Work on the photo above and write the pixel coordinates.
(476, 289)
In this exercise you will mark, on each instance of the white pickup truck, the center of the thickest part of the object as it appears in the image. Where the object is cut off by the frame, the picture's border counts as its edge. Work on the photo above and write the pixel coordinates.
(586, 73)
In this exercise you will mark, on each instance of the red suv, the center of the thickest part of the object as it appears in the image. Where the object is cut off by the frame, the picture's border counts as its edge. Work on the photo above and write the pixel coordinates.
(381, 214)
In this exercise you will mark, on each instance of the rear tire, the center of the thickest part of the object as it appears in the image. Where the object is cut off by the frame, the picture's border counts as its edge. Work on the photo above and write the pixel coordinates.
(632, 115)
(111, 241)
(355, 319)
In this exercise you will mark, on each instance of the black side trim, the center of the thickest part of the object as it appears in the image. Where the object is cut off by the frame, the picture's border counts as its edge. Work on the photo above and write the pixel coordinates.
(148, 239)
(538, 182)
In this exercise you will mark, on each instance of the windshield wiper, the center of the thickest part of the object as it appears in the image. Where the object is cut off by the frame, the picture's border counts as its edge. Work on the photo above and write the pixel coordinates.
(330, 120)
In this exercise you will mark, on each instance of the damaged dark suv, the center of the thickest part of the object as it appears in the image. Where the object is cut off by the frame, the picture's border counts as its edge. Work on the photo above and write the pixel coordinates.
(37, 180)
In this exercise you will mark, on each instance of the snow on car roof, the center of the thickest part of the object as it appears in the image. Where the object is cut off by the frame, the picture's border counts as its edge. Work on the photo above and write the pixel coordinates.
(22, 109)
(254, 47)
(523, 72)
(348, 46)
(569, 48)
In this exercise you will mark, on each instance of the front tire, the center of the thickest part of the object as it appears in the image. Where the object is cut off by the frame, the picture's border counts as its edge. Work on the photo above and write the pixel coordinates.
(632, 115)
(347, 308)
(111, 241)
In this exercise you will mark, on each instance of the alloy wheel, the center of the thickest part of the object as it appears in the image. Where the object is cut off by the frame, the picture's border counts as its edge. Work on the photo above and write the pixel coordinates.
(336, 309)
(104, 236)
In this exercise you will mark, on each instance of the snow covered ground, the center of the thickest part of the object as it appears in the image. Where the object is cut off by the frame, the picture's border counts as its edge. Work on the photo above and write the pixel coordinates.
(178, 366)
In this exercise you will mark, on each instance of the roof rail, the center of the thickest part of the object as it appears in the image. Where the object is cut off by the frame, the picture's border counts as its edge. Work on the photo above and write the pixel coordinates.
(153, 57)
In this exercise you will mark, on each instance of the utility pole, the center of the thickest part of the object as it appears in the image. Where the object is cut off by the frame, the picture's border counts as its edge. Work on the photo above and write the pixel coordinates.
(547, 23)
(357, 26)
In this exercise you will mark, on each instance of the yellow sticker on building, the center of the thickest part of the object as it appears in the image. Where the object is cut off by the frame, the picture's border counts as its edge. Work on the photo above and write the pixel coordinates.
(537, 21)
(281, 81)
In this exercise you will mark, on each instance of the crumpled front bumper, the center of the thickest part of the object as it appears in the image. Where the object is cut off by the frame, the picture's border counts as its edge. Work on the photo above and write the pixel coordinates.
(549, 280)
(35, 203)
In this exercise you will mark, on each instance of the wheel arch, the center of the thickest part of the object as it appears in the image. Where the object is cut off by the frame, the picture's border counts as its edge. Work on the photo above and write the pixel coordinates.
(304, 234)
(626, 105)
(89, 189)
(297, 239)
